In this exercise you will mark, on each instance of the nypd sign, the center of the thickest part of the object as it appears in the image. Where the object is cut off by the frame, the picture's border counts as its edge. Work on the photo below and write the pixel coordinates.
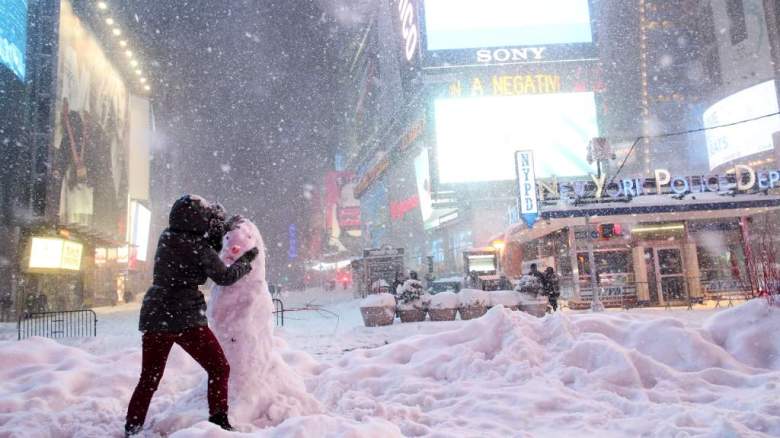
(526, 186)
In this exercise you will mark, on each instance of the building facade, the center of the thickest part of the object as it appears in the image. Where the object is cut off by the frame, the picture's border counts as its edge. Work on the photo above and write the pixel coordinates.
(76, 199)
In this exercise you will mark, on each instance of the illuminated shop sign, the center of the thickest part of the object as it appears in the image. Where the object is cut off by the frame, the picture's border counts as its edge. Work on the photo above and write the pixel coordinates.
(526, 186)
(740, 179)
(55, 253)
(489, 32)
(410, 33)
(506, 85)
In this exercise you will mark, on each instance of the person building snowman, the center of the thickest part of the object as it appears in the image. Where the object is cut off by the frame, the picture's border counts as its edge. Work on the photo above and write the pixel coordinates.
(174, 309)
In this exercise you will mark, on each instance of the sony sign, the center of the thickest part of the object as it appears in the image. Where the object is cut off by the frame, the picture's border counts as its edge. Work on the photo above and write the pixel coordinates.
(409, 29)
(488, 56)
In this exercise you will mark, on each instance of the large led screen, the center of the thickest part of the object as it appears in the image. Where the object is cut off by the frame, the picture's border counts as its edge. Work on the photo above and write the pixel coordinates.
(731, 143)
(13, 35)
(476, 138)
(470, 24)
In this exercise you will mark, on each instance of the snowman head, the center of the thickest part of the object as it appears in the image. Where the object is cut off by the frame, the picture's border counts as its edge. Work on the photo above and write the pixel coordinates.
(242, 237)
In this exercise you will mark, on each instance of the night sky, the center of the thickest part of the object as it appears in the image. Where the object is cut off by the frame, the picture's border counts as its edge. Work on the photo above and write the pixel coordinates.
(248, 93)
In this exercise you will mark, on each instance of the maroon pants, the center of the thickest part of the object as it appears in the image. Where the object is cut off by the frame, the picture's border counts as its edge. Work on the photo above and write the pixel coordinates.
(202, 345)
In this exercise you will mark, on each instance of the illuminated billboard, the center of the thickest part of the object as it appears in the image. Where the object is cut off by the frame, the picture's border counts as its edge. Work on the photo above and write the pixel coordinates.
(458, 32)
(730, 143)
(13, 35)
(55, 253)
(477, 137)
(91, 133)
(141, 222)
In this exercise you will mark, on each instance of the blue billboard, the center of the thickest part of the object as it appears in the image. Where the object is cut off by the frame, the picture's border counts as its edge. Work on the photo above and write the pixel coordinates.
(487, 32)
(13, 35)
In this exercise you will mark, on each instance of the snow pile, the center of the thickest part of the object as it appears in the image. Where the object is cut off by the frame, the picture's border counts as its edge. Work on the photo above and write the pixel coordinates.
(749, 332)
(263, 389)
(474, 298)
(51, 390)
(640, 373)
(444, 300)
(506, 298)
(565, 375)
(302, 427)
(378, 300)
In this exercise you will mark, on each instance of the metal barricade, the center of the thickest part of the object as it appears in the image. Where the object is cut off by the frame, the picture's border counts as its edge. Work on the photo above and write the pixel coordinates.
(279, 312)
(62, 324)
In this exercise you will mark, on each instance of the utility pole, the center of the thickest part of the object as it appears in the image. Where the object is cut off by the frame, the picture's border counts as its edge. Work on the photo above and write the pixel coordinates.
(595, 304)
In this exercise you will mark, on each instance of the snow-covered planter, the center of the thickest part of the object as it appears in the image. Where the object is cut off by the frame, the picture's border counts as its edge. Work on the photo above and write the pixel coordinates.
(411, 306)
(378, 310)
(529, 284)
(533, 304)
(443, 306)
(507, 298)
(473, 303)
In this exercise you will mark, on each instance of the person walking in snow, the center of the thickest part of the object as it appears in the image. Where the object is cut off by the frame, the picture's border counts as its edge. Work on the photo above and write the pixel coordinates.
(552, 287)
(174, 310)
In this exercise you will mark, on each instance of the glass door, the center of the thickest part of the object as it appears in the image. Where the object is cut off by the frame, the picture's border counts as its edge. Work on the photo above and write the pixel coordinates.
(670, 275)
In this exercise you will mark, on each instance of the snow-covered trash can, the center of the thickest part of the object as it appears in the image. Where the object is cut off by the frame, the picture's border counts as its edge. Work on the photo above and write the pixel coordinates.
(378, 309)
(507, 298)
(411, 305)
(535, 305)
(473, 303)
(443, 306)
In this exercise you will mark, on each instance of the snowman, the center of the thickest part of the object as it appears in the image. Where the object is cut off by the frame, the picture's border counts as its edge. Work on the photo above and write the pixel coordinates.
(263, 389)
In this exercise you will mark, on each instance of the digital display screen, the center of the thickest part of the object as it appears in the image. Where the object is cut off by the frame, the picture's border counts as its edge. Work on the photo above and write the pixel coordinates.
(141, 220)
(470, 24)
(476, 138)
(734, 142)
(13, 35)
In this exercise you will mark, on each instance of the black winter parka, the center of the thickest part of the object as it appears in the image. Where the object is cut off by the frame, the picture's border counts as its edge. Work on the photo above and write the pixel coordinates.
(184, 261)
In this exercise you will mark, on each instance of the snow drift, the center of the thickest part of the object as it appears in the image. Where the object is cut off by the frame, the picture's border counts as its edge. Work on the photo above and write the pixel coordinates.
(566, 375)
(638, 373)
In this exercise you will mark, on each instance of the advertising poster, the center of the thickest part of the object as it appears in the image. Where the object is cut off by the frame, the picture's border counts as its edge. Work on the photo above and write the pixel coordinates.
(13, 35)
(342, 210)
(728, 144)
(91, 133)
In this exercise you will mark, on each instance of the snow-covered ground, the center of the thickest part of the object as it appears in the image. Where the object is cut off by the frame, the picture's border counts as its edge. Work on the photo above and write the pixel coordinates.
(654, 372)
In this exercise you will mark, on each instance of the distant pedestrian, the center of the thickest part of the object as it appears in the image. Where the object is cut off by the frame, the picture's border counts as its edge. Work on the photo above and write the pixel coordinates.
(398, 282)
(536, 273)
(552, 287)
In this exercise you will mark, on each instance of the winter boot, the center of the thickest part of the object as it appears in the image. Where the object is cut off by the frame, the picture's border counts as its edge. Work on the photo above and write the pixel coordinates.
(221, 420)
(132, 430)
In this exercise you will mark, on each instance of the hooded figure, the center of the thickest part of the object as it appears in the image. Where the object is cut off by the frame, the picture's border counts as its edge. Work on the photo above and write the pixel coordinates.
(174, 310)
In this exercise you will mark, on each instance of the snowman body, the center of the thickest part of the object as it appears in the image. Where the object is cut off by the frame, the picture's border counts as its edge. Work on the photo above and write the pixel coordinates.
(263, 389)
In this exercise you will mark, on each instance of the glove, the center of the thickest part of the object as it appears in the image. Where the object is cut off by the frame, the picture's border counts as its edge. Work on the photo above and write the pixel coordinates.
(217, 211)
(217, 230)
(249, 256)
